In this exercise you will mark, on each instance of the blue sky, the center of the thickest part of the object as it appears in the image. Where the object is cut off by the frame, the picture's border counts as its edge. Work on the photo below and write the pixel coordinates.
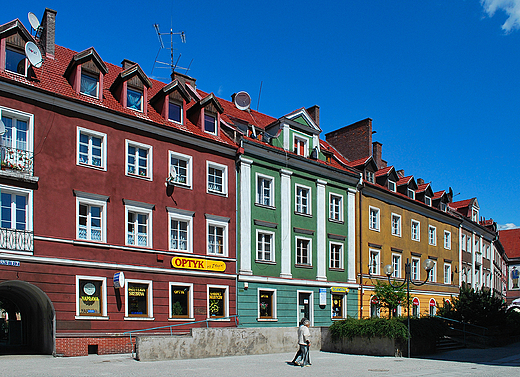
(439, 78)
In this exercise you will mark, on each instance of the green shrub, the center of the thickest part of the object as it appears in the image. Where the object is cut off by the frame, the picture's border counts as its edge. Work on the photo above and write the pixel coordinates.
(369, 328)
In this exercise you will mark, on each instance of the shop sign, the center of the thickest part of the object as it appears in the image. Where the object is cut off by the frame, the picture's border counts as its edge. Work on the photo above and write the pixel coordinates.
(198, 264)
(323, 296)
(119, 280)
(136, 291)
(339, 289)
(13, 263)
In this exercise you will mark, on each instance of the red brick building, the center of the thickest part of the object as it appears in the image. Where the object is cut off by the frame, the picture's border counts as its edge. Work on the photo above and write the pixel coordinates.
(105, 173)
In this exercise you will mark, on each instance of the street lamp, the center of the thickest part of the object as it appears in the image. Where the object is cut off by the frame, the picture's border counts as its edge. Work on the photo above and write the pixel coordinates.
(389, 270)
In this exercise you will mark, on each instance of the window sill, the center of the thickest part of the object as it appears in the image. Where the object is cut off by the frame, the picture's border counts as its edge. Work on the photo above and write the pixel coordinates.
(336, 221)
(264, 206)
(219, 319)
(139, 318)
(337, 318)
(217, 193)
(100, 244)
(374, 229)
(143, 177)
(336, 269)
(181, 185)
(413, 239)
(303, 265)
(101, 168)
(303, 214)
(396, 235)
(265, 261)
(267, 319)
(182, 319)
(93, 317)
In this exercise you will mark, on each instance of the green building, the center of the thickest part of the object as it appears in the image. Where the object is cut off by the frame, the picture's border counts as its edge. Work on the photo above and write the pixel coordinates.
(296, 225)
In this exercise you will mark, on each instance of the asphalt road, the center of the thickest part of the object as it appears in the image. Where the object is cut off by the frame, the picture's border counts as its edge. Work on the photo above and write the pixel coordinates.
(503, 361)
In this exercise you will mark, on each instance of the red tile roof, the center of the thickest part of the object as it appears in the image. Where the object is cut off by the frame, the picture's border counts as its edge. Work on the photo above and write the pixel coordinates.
(438, 194)
(422, 187)
(404, 180)
(358, 162)
(461, 203)
(510, 240)
(383, 171)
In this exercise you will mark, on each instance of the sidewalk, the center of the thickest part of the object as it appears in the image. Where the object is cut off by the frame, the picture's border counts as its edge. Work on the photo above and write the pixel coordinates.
(503, 361)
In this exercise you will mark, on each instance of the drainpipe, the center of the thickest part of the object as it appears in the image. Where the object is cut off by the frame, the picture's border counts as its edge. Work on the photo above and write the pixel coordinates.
(360, 187)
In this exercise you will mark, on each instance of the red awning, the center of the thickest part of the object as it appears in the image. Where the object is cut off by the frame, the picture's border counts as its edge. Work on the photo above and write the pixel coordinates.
(415, 301)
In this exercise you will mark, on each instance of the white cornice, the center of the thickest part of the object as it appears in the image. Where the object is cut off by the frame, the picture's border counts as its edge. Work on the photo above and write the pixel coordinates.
(307, 283)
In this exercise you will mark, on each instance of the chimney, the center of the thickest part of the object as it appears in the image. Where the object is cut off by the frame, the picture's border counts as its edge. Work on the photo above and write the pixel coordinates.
(183, 79)
(400, 173)
(48, 25)
(314, 112)
(127, 64)
(353, 141)
(377, 151)
(420, 181)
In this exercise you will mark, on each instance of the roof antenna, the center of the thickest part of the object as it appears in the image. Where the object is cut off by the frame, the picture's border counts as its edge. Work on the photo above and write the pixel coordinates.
(171, 64)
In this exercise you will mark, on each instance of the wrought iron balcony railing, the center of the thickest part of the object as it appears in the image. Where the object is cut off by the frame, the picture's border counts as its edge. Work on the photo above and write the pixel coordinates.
(16, 240)
(17, 160)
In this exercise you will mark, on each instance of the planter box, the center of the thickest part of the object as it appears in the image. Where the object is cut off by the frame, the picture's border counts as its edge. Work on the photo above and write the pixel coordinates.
(362, 346)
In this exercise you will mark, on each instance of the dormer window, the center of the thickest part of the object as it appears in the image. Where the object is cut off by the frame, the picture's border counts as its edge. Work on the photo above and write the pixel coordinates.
(15, 61)
(411, 194)
(89, 85)
(474, 214)
(300, 146)
(428, 201)
(134, 99)
(443, 206)
(210, 124)
(369, 176)
(391, 185)
(175, 112)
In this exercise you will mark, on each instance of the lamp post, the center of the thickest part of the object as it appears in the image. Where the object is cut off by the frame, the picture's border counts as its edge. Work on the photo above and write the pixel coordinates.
(389, 270)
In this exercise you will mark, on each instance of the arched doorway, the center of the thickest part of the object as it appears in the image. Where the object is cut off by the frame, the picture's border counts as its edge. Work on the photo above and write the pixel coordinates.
(30, 328)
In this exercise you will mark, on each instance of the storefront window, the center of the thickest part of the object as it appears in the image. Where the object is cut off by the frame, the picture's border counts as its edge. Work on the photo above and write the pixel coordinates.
(217, 302)
(137, 300)
(90, 298)
(180, 301)
(266, 304)
(337, 306)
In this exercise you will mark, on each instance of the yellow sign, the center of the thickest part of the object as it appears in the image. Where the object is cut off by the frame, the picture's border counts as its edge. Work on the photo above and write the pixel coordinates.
(339, 289)
(198, 264)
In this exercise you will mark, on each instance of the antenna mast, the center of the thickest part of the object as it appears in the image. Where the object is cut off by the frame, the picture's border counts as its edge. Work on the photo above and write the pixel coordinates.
(172, 65)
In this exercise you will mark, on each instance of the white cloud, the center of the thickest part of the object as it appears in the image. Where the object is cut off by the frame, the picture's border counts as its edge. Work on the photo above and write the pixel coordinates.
(510, 7)
(507, 226)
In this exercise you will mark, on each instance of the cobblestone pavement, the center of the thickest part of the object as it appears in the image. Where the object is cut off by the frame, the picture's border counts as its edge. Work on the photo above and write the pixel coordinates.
(501, 362)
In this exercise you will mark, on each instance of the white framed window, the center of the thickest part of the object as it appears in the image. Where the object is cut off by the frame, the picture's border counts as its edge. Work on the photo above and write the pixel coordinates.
(217, 178)
(264, 190)
(336, 255)
(335, 207)
(396, 264)
(210, 123)
(303, 251)
(432, 235)
(138, 299)
(468, 244)
(411, 194)
(180, 169)
(303, 200)
(134, 99)
(217, 235)
(416, 230)
(374, 262)
(16, 61)
(369, 176)
(16, 209)
(91, 216)
(265, 251)
(463, 242)
(415, 269)
(91, 148)
(396, 225)
(391, 185)
(416, 309)
(181, 301)
(218, 301)
(300, 145)
(428, 201)
(89, 84)
(138, 160)
(433, 273)
(433, 307)
(91, 297)
(267, 308)
(338, 306)
(175, 112)
(373, 220)
(447, 240)
(444, 207)
(17, 140)
(447, 273)
(180, 230)
(138, 223)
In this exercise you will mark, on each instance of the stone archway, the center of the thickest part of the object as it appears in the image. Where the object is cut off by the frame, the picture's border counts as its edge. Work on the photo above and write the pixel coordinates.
(37, 325)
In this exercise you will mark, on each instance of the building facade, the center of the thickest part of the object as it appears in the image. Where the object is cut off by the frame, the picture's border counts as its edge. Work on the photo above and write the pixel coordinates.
(118, 200)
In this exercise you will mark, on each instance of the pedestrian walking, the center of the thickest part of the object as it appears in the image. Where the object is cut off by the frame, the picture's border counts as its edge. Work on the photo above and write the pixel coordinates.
(304, 342)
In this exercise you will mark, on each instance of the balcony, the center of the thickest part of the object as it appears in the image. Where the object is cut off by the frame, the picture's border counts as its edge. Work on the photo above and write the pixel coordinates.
(17, 164)
(16, 240)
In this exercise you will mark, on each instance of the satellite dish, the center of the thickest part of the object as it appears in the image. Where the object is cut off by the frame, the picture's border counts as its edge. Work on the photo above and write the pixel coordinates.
(242, 100)
(33, 54)
(2, 128)
(33, 20)
(173, 173)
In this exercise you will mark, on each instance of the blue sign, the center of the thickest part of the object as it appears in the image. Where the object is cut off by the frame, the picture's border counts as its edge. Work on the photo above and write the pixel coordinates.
(13, 263)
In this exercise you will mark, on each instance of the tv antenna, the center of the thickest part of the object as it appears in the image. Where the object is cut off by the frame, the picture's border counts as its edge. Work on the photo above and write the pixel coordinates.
(171, 64)
(35, 24)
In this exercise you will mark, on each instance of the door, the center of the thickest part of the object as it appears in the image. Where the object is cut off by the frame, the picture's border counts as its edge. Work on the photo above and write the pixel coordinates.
(304, 306)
